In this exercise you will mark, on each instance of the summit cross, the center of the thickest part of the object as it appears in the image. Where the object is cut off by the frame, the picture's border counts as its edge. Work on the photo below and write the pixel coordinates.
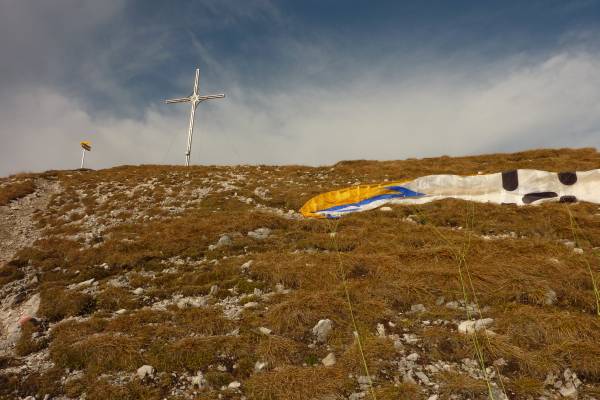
(195, 99)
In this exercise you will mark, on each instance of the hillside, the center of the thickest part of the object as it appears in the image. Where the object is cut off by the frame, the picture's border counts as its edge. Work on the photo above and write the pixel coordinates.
(210, 278)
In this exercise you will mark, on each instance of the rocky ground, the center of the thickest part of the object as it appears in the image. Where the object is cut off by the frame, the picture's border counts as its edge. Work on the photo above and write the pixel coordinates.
(160, 282)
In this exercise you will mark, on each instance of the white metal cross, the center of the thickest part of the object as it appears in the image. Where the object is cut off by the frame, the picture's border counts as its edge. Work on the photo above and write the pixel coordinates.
(195, 99)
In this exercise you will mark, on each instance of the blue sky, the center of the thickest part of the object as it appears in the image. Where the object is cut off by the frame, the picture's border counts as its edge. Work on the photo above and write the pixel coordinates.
(307, 82)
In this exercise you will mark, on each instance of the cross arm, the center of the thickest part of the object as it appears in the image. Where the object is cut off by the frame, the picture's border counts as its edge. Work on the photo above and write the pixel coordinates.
(211, 96)
(181, 100)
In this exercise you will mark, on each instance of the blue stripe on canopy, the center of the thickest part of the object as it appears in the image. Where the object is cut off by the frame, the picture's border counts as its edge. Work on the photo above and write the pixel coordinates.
(402, 192)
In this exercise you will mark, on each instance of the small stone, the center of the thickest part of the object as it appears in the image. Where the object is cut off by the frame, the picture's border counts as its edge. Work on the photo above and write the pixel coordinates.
(224, 240)
(221, 368)
(454, 305)
(550, 297)
(380, 330)
(245, 266)
(558, 384)
(412, 357)
(234, 385)
(472, 326)
(138, 291)
(417, 308)
(265, 331)
(385, 209)
(357, 396)
(199, 380)
(410, 338)
(81, 285)
(213, 290)
(251, 304)
(433, 397)
(500, 362)
(329, 361)
(260, 365)
(423, 378)
(260, 233)
(121, 311)
(550, 379)
(145, 371)
(577, 250)
(408, 378)
(322, 330)
(498, 393)
(569, 390)
(398, 344)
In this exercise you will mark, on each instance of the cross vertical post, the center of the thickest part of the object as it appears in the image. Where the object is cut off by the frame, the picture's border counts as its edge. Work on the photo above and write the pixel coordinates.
(194, 99)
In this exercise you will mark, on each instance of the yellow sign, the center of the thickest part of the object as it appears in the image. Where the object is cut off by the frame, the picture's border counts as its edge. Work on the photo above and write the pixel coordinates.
(86, 146)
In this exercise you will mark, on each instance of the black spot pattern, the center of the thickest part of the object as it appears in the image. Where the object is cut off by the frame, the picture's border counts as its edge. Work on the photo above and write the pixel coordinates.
(568, 199)
(567, 178)
(510, 180)
(531, 197)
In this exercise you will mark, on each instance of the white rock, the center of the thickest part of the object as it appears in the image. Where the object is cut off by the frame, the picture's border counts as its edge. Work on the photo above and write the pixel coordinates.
(408, 378)
(265, 331)
(245, 266)
(412, 357)
(454, 305)
(221, 368)
(188, 302)
(234, 385)
(472, 326)
(322, 330)
(260, 233)
(423, 378)
(121, 311)
(410, 338)
(260, 365)
(329, 360)
(550, 297)
(213, 290)
(81, 285)
(138, 291)
(224, 240)
(199, 380)
(550, 379)
(577, 250)
(416, 308)
(568, 390)
(433, 397)
(145, 371)
(357, 396)
(380, 330)
(251, 304)
(385, 208)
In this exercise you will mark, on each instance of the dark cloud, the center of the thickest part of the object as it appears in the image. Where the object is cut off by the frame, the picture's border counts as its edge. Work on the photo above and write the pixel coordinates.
(75, 70)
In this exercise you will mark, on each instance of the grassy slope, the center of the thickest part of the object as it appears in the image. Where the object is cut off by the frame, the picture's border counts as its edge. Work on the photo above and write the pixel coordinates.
(151, 227)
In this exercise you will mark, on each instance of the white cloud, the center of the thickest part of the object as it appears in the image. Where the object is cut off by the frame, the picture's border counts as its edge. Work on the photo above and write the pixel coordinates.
(463, 110)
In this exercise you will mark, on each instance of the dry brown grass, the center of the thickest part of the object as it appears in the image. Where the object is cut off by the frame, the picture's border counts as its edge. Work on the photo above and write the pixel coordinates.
(388, 263)
(15, 190)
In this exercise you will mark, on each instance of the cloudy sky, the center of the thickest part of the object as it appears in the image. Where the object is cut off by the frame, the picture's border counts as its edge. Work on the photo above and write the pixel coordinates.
(307, 82)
